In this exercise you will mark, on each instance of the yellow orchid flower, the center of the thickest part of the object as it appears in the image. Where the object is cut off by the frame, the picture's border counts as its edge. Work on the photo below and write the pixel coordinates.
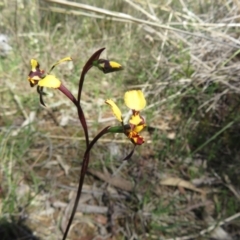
(135, 100)
(37, 76)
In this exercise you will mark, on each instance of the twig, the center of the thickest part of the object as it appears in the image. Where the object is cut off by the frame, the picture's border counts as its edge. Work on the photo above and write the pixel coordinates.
(209, 229)
(153, 17)
(124, 16)
(212, 227)
(213, 137)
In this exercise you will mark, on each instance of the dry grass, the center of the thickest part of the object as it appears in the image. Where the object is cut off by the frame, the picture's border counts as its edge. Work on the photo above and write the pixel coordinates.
(183, 183)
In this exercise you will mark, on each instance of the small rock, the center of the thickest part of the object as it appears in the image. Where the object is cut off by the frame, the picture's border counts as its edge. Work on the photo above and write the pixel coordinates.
(5, 48)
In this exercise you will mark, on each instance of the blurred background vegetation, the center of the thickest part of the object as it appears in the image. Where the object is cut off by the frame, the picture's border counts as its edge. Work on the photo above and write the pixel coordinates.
(183, 182)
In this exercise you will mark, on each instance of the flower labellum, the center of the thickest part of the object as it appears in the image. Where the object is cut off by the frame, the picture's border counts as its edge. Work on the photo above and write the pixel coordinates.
(35, 74)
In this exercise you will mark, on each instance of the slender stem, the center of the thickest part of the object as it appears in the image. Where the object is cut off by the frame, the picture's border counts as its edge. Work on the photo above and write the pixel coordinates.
(82, 176)
(82, 119)
(68, 94)
(81, 116)
(83, 122)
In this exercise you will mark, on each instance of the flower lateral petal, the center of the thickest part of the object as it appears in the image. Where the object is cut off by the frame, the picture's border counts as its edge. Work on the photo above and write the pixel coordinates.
(49, 81)
(60, 61)
(115, 109)
(135, 100)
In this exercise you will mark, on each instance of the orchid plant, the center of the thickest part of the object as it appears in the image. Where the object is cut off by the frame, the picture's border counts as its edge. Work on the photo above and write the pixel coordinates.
(134, 100)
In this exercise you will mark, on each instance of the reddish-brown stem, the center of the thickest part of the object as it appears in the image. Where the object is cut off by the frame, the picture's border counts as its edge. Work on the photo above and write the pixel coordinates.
(82, 176)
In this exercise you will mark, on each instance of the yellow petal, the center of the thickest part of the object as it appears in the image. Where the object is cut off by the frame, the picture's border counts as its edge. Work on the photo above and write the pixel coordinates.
(135, 100)
(115, 109)
(139, 128)
(50, 81)
(135, 120)
(34, 64)
(115, 64)
(60, 61)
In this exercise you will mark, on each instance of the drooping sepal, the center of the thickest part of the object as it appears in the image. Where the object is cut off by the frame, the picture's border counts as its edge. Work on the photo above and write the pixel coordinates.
(130, 154)
(41, 93)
